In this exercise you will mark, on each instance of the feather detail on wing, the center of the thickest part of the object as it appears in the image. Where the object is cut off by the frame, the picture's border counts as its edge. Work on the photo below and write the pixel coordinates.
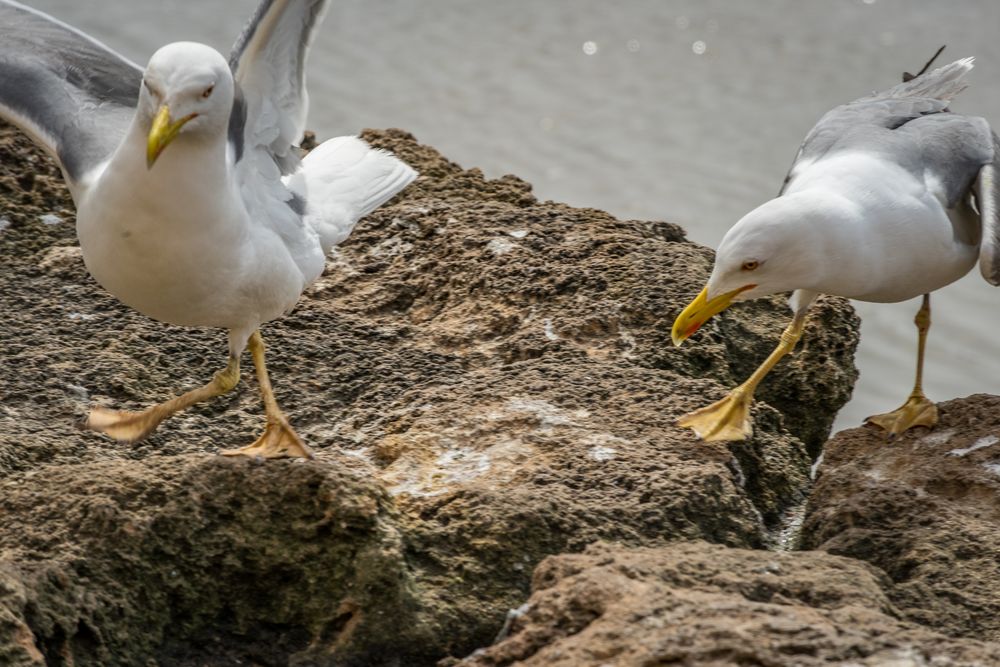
(344, 179)
(268, 63)
(269, 112)
(74, 96)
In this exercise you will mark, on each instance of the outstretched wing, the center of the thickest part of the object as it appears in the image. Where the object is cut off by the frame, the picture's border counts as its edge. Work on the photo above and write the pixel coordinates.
(268, 63)
(70, 93)
(843, 126)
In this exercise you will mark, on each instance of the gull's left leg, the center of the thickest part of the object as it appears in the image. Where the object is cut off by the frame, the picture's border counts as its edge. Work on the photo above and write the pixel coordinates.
(129, 426)
(279, 439)
(729, 419)
(918, 410)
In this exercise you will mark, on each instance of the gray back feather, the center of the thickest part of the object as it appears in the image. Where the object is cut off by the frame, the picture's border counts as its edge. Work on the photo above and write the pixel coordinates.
(880, 121)
(238, 123)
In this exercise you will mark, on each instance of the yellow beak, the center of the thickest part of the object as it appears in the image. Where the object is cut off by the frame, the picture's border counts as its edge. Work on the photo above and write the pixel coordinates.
(162, 133)
(699, 311)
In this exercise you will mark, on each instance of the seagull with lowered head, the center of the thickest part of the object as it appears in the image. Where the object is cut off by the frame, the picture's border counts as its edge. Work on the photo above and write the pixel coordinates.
(890, 197)
(193, 205)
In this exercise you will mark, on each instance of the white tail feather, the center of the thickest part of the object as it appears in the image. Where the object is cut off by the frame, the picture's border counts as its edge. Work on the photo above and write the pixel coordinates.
(943, 83)
(344, 179)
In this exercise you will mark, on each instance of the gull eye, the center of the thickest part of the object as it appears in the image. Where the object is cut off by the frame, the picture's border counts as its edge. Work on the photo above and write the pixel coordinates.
(750, 265)
(208, 91)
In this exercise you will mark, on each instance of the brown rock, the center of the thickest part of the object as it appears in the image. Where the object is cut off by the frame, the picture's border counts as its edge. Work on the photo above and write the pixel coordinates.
(17, 641)
(700, 604)
(925, 510)
(188, 556)
(487, 378)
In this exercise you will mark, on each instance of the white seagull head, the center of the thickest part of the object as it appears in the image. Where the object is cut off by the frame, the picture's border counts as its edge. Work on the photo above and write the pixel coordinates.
(187, 89)
(772, 249)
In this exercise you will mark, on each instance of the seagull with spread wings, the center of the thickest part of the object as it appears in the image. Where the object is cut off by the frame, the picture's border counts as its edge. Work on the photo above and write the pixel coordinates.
(193, 205)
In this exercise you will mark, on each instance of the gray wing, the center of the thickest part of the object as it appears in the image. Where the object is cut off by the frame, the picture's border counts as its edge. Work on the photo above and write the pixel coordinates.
(951, 147)
(268, 63)
(910, 124)
(70, 93)
(987, 191)
(846, 126)
(857, 124)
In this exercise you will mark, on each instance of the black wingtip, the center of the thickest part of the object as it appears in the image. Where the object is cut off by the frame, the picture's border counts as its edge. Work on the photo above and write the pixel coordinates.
(910, 77)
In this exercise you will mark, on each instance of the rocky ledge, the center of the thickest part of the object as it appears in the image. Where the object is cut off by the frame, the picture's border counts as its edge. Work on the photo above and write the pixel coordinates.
(490, 387)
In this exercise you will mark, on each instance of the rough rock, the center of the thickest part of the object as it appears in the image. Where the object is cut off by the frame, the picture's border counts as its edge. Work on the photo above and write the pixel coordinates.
(702, 604)
(924, 509)
(185, 555)
(488, 379)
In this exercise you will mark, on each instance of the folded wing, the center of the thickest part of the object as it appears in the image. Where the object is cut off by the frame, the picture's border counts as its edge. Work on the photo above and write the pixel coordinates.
(987, 191)
(890, 109)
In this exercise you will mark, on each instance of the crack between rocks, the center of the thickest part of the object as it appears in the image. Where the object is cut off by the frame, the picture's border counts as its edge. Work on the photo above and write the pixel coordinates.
(787, 532)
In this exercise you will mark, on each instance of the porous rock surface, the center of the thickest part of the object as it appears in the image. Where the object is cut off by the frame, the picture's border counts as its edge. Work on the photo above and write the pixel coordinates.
(701, 604)
(926, 510)
(487, 380)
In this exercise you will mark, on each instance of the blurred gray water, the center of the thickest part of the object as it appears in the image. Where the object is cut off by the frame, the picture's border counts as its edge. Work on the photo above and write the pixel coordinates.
(686, 110)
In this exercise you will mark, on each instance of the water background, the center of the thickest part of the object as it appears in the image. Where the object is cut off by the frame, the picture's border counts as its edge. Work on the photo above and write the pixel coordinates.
(680, 110)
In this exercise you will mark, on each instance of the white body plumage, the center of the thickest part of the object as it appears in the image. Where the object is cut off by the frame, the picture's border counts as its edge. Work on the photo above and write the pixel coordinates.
(206, 237)
(855, 226)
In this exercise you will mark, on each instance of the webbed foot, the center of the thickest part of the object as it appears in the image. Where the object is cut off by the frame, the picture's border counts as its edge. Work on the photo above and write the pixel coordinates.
(917, 411)
(279, 440)
(728, 419)
(123, 425)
